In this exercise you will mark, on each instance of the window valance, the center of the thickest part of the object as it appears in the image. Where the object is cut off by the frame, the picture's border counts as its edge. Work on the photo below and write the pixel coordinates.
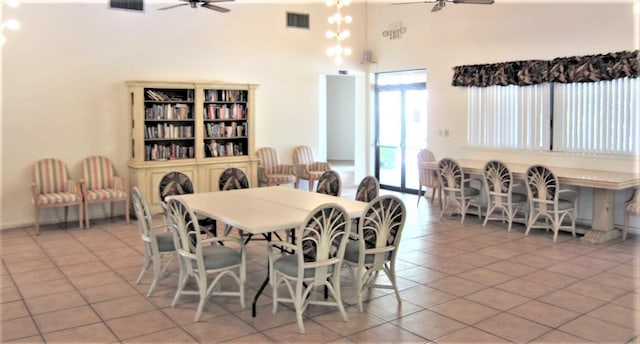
(588, 68)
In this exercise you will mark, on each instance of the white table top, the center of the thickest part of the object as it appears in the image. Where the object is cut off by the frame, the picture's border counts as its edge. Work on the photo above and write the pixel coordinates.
(263, 210)
(571, 176)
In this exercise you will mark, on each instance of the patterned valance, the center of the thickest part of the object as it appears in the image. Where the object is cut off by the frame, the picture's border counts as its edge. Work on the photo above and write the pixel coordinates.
(588, 68)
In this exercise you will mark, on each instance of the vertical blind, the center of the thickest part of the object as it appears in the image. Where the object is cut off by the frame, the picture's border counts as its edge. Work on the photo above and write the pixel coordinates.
(598, 117)
(595, 117)
(511, 116)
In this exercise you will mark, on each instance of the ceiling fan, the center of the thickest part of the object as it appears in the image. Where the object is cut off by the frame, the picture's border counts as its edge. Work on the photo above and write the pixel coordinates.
(439, 4)
(203, 3)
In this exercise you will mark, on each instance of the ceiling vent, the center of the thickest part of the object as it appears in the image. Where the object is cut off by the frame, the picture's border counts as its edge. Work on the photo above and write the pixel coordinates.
(134, 5)
(298, 20)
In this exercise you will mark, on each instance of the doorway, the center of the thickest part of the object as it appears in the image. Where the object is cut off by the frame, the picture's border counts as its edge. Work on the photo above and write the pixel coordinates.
(401, 127)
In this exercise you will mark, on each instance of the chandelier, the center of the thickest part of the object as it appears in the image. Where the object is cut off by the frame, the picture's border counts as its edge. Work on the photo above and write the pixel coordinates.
(10, 24)
(338, 51)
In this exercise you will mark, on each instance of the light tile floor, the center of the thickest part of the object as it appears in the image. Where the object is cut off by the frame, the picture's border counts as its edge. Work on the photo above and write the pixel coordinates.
(459, 283)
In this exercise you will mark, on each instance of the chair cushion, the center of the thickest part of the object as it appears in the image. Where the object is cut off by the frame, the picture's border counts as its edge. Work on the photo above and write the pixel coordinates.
(58, 197)
(165, 242)
(564, 204)
(353, 249)
(105, 194)
(217, 256)
(288, 265)
(517, 197)
(469, 191)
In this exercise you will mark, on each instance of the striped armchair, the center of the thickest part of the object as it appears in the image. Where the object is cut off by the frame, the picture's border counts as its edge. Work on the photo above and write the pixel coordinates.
(271, 171)
(52, 188)
(305, 167)
(100, 185)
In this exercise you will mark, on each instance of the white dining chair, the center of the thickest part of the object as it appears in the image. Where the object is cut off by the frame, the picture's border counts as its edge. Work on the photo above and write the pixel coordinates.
(503, 203)
(315, 262)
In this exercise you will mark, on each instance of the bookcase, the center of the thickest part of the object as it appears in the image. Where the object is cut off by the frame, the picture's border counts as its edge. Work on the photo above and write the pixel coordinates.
(196, 128)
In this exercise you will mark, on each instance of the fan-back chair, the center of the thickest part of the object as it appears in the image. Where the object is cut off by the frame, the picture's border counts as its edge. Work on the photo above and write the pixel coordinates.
(315, 263)
(156, 245)
(549, 203)
(499, 184)
(204, 259)
(376, 247)
(368, 189)
(458, 193)
(330, 183)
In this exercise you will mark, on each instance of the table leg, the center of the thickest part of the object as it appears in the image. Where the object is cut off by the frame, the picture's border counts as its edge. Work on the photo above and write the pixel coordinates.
(264, 285)
(602, 223)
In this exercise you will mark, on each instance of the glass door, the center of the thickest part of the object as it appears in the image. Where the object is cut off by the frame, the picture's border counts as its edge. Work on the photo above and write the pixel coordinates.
(401, 100)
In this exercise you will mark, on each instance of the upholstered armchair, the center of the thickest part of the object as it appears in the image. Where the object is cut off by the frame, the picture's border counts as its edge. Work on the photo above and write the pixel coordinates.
(428, 177)
(271, 171)
(305, 167)
(101, 185)
(52, 188)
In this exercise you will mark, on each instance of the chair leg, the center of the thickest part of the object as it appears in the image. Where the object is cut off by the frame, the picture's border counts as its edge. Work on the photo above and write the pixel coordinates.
(145, 266)
(80, 215)
(86, 215)
(298, 302)
(156, 276)
(311, 182)
(37, 216)
(126, 211)
(182, 281)
(625, 228)
(419, 193)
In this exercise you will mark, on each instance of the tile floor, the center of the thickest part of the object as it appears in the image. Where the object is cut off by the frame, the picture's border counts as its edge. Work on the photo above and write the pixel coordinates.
(459, 283)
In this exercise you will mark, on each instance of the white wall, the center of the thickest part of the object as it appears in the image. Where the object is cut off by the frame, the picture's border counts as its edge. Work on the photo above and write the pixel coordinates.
(504, 31)
(341, 111)
(63, 72)
(63, 77)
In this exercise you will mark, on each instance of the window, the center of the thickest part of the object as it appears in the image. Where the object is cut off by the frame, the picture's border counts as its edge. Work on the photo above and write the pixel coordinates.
(596, 117)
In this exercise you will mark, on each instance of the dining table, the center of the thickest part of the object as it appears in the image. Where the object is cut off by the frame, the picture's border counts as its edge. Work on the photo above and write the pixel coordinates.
(604, 184)
(264, 210)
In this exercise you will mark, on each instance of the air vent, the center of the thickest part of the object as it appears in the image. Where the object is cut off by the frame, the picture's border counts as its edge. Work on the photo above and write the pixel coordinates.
(135, 5)
(298, 20)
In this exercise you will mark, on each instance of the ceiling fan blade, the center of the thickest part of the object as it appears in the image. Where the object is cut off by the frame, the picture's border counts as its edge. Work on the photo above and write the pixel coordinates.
(172, 6)
(215, 8)
(414, 2)
(210, 1)
(476, 2)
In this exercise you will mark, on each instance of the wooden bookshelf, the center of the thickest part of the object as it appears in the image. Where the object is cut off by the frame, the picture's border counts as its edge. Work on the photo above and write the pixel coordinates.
(197, 128)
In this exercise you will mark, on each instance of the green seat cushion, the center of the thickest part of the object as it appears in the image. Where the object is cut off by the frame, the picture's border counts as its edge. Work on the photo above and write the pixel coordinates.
(218, 257)
(165, 242)
(288, 265)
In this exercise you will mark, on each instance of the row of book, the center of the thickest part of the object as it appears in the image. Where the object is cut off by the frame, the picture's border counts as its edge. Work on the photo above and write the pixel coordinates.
(218, 130)
(215, 149)
(225, 95)
(167, 111)
(227, 111)
(167, 95)
(168, 131)
(168, 152)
